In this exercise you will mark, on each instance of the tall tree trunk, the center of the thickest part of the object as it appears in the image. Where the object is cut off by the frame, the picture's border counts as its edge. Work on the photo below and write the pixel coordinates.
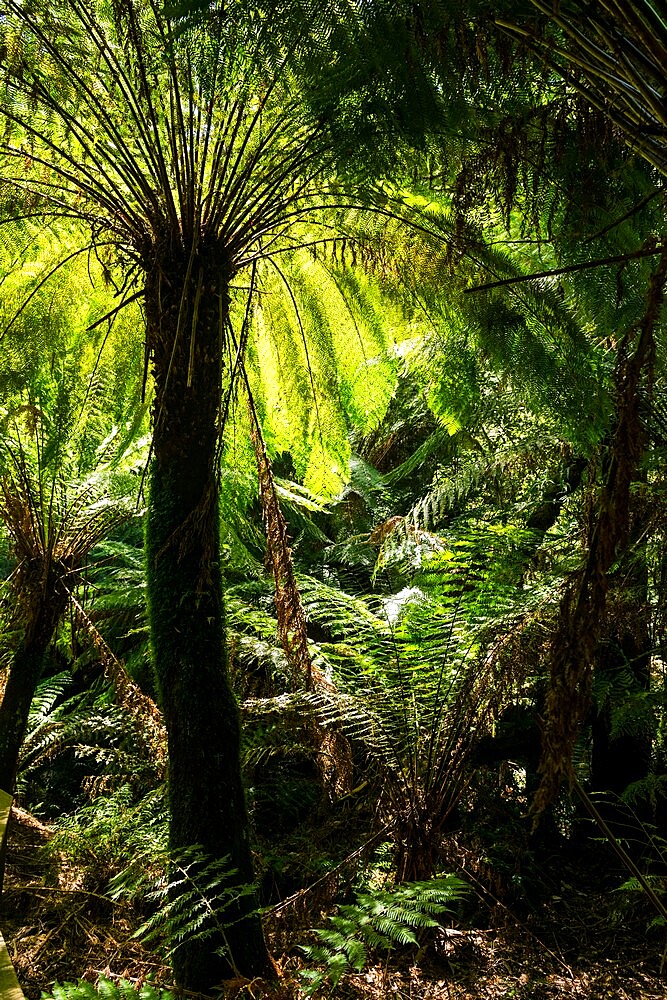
(185, 326)
(585, 599)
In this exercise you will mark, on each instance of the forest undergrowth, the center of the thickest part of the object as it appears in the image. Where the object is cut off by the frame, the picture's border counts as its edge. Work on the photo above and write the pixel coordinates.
(575, 941)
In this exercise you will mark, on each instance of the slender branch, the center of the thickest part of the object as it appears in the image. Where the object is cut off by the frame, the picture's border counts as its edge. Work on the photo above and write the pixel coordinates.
(114, 312)
(600, 262)
(52, 271)
(616, 845)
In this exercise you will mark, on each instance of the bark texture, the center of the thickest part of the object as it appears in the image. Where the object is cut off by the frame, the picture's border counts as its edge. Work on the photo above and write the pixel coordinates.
(186, 323)
(42, 616)
(25, 671)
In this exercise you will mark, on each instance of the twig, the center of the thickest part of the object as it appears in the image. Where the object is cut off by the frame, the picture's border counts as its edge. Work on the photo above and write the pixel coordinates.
(520, 923)
(355, 854)
(54, 930)
(599, 262)
(46, 888)
(618, 847)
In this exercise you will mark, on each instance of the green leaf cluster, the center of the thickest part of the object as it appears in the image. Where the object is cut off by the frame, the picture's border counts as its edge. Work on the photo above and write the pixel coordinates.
(378, 921)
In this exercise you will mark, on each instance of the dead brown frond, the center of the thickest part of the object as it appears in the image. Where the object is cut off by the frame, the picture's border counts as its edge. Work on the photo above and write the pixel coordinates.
(292, 632)
(143, 711)
(583, 605)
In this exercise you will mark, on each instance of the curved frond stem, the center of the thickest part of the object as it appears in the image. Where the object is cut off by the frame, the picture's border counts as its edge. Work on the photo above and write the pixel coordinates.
(266, 202)
(114, 312)
(147, 131)
(651, 251)
(659, 191)
(75, 123)
(28, 216)
(92, 188)
(178, 129)
(67, 212)
(240, 347)
(61, 263)
(295, 244)
(304, 341)
(36, 185)
(367, 209)
(232, 164)
(223, 147)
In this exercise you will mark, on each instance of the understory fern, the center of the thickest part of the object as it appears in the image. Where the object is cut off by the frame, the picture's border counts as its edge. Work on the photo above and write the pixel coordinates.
(377, 922)
(197, 899)
(105, 989)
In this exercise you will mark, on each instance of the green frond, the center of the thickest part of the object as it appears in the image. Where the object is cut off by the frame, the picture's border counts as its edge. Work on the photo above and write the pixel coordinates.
(378, 922)
(190, 899)
(106, 989)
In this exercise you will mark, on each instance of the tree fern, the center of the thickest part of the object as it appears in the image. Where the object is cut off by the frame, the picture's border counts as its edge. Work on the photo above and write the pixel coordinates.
(413, 689)
(45, 726)
(85, 739)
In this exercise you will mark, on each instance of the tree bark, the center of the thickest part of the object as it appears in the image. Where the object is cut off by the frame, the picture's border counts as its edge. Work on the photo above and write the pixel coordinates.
(25, 672)
(186, 322)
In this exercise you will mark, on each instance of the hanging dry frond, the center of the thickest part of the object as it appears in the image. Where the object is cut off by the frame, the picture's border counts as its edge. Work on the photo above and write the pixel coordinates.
(143, 711)
(583, 605)
(292, 631)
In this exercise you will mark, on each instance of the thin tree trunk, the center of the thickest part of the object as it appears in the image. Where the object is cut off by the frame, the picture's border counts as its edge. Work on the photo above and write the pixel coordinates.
(206, 799)
(25, 672)
(585, 600)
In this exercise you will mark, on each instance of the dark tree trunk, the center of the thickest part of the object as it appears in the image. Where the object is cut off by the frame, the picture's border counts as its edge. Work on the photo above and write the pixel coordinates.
(206, 799)
(618, 761)
(25, 672)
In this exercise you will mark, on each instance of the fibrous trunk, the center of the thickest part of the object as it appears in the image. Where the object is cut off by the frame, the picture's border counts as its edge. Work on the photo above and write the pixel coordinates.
(186, 306)
(584, 602)
(24, 675)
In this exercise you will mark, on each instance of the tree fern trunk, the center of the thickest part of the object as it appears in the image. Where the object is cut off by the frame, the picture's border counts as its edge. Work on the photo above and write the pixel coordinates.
(24, 674)
(206, 801)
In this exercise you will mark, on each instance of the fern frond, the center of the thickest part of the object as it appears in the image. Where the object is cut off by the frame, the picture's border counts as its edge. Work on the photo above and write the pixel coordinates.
(106, 989)
(378, 921)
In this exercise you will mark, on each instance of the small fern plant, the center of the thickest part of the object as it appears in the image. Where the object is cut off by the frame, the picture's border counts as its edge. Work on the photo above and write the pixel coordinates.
(377, 922)
(105, 989)
(190, 900)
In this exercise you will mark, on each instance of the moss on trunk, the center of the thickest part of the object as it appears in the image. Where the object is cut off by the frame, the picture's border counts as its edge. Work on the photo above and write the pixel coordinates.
(206, 798)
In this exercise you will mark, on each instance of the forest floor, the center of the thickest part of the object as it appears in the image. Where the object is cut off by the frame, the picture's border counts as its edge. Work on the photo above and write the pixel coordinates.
(577, 945)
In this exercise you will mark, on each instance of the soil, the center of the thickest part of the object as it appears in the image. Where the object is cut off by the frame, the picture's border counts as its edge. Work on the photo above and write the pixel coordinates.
(578, 943)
